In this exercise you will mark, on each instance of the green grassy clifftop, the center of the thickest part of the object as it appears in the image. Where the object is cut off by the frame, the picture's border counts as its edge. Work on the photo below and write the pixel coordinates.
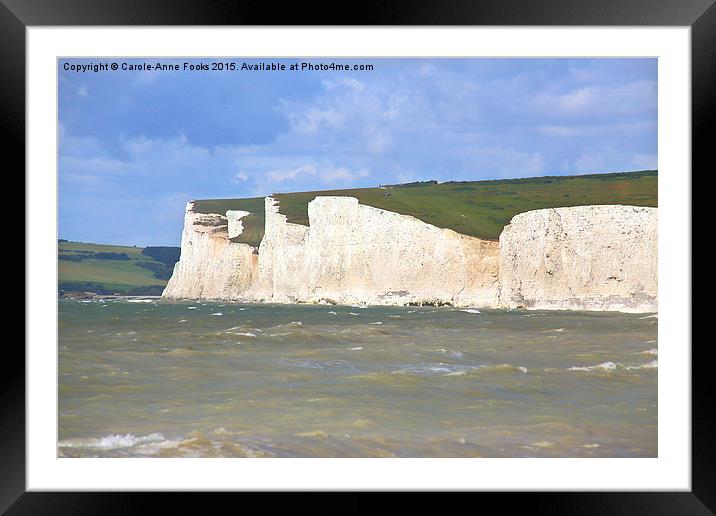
(475, 208)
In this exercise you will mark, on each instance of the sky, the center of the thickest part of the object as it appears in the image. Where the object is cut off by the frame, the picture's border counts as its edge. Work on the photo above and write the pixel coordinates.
(136, 145)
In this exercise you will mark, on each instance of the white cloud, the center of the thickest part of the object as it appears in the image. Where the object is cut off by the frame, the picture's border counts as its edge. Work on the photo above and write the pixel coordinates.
(588, 162)
(148, 76)
(645, 161)
(503, 162)
(343, 175)
(281, 175)
(561, 130)
(599, 100)
(241, 177)
(426, 70)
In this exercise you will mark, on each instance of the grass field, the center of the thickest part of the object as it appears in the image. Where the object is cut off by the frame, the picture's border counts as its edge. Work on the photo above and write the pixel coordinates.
(475, 208)
(109, 269)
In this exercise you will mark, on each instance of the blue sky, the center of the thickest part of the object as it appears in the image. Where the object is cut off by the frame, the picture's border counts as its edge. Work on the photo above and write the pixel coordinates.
(135, 146)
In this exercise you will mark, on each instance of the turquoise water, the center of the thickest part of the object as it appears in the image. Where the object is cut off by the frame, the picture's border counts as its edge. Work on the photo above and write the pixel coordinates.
(151, 378)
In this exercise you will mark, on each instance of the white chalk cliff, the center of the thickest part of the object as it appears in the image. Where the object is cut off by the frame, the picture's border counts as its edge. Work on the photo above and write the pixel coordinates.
(581, 258)
(351, 253)
(211, 266)
(589, 257)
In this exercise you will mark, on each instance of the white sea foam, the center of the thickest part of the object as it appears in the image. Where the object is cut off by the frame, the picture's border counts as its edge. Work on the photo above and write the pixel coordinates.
(245, 334)
(333, 313)
(182, 320)
(604, 366)
(140, 300)
(470, 310)
(217, 313)
(611, 366)
(454, 353)
(358, 348)
(653, 316)
(377, 322)
(191, 308)
(112, 442)
(558, 330)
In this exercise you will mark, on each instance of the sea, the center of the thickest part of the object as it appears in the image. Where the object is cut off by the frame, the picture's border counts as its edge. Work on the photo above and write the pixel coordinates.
(154, 378)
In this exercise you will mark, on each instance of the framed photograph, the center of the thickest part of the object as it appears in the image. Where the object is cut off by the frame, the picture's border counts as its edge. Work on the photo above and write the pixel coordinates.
(437, 250)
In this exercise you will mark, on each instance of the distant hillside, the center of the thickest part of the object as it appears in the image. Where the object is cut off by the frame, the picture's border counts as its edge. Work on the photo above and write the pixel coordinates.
(475, 208)
(110, 269)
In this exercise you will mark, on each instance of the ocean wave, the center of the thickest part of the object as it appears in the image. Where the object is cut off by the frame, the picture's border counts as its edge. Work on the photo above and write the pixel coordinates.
(605, 366)
(470, 310)
(451, 352)
(430, 369)
(459, 369)
(112, 442)
(217, 313)
(316, 364)
(505, 368)
(650, 365)
(612, 366)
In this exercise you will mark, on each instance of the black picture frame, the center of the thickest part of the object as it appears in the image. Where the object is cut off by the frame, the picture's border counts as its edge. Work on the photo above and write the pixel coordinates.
(17, 15)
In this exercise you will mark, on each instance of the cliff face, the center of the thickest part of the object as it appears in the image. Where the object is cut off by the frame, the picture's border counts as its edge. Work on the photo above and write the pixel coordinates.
(352, 253)
(581, 258)
(211, 266)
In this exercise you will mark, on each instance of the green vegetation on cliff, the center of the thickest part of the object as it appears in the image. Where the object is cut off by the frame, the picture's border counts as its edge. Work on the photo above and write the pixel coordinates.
(110, 269)
(476, 208)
